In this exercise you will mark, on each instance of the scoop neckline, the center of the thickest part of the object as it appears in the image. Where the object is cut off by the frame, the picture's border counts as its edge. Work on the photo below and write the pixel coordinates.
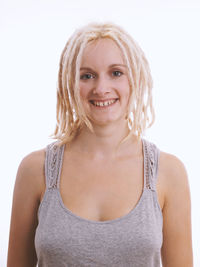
(121, 218)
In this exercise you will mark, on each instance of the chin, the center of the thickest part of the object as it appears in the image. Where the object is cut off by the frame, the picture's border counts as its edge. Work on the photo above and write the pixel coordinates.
(105, 122)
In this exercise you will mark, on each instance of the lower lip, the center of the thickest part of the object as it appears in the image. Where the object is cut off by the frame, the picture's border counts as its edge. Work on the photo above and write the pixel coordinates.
(104, 107)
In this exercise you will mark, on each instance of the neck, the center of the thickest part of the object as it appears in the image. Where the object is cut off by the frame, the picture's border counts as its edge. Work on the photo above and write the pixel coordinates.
(104, 143)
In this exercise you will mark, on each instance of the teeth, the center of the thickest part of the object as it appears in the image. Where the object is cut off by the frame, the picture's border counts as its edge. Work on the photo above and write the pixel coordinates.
(106, 103)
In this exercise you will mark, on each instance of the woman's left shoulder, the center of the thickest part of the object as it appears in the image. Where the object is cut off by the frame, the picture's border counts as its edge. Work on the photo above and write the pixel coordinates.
(175, 179)
(177, 234)
(172, 168)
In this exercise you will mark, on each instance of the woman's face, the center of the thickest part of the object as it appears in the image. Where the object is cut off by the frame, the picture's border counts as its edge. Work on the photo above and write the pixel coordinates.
(104, 85)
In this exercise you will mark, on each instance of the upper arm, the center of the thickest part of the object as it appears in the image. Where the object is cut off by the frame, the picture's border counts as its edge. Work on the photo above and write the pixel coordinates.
(177, 235)
(26, 199)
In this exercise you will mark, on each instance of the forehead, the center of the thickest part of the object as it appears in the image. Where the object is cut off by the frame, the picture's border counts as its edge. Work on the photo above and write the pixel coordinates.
(104, 50)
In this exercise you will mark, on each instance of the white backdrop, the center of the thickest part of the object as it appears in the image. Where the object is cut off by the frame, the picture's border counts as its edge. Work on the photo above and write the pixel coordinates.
(33, 34)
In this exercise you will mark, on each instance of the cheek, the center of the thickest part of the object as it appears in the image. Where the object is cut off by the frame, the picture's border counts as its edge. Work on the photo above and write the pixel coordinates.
(124, 86)
(83, 91)
(125, 90)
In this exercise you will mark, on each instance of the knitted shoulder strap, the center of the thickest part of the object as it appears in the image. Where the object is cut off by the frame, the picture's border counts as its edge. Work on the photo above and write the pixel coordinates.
(53, 162)
(151, 164)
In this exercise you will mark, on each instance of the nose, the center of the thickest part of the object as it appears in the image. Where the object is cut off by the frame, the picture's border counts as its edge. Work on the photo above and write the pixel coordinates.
(101, 86)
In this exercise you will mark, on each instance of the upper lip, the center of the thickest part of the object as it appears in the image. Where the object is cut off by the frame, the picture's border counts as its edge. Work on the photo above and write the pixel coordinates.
(103, 100)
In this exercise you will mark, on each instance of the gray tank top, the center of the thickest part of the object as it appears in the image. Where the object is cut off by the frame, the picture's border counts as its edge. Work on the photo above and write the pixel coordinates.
(65, 239)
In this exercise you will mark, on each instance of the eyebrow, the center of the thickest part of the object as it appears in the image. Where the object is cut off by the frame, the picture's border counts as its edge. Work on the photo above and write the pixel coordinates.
(110, 66)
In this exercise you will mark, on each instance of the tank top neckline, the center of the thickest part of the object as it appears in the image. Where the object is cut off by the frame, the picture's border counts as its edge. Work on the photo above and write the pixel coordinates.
(146, 188)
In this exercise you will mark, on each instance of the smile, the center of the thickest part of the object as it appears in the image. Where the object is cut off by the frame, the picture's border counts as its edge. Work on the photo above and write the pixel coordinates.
(103, 103)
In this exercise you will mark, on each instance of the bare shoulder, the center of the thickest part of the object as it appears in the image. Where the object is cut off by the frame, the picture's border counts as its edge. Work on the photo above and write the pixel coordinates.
(177, 234)
(31, 171)
(26, 199)
(33, 160)
(174, 173)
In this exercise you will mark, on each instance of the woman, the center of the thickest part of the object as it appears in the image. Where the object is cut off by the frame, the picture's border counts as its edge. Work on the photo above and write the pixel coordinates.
(101, 195)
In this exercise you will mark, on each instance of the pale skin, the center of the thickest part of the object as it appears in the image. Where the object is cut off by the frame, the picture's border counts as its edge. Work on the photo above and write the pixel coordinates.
(103, 187)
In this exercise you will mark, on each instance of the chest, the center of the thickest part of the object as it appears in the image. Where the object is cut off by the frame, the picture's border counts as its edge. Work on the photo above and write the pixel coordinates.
(103, 190)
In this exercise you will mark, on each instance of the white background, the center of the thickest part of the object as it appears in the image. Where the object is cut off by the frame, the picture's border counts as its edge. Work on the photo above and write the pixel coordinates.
(33, 34)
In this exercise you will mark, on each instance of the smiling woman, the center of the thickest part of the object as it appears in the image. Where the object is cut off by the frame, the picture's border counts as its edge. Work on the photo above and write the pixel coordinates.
(104, 94)
(82, 59)
(101, 195)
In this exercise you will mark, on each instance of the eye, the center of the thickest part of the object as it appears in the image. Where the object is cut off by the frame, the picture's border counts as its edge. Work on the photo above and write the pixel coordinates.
(117, 73)
(87, 76)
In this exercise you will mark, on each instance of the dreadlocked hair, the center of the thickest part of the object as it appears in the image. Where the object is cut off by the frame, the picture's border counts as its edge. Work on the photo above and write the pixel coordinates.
(70, 114)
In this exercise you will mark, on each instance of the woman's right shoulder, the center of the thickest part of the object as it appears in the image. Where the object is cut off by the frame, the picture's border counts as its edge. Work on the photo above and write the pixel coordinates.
(31, 172)
(33, 161)
(29, 185)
